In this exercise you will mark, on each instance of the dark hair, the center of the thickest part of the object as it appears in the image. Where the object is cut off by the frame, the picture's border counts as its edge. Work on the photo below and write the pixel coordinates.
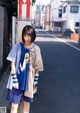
(29, 30)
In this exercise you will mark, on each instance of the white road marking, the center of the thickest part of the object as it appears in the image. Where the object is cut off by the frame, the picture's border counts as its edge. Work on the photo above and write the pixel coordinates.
(56, 38)
(65, 42)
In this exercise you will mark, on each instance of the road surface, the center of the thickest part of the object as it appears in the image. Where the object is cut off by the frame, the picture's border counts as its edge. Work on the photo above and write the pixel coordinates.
(59, 84)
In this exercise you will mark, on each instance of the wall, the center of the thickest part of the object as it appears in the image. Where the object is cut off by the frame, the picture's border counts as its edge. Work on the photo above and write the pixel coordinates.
(20, 25)
(73, 17)
(55, 6)
(3, 36)
(47, 24)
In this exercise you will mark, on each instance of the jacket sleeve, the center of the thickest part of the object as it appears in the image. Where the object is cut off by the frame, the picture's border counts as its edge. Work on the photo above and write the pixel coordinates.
(12, 55)
(13, 74)
(38, 60)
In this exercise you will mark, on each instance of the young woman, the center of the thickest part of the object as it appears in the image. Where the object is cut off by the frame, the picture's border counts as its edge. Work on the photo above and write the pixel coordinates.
(26, 62)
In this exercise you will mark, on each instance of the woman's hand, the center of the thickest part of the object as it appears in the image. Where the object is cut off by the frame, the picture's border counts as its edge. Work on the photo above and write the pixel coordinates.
(16, 85)
(36, 71)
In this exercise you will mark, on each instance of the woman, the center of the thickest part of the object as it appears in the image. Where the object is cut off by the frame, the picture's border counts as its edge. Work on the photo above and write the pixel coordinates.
(26, 62)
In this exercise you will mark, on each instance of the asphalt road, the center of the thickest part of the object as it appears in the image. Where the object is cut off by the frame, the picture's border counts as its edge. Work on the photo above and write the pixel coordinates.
(59, 84)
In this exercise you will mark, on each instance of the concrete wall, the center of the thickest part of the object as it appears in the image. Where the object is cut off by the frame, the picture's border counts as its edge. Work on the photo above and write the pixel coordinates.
(3, 35)
(20, 25)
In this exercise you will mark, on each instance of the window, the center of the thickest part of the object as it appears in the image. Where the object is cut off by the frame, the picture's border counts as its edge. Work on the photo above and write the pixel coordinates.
(77, 24)
(57, 24)
(64, 9)
(74, 9)
(52, 24)
(60, 13)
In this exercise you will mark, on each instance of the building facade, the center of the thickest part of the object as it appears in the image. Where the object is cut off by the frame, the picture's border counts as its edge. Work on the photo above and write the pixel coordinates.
(56, 15)
(70, 15)
(47, 16)
(64, 15)
(43, 17)
(59, 15)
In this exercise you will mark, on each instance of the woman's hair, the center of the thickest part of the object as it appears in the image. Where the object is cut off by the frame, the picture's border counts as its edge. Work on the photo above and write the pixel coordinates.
(29, 30)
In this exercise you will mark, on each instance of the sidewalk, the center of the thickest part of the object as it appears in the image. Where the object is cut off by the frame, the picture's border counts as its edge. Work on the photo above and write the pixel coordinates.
(3, 82)
(59, 34)
(62, 36)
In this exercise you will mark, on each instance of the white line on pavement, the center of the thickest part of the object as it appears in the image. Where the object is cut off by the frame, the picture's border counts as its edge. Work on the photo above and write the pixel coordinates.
(65, 42)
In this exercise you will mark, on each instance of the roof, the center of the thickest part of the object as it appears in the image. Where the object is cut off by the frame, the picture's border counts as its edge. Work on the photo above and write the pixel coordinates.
(71, 1)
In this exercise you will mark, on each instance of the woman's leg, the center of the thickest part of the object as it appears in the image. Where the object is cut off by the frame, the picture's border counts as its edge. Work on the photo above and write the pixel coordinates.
(26, 107)
(14, 108)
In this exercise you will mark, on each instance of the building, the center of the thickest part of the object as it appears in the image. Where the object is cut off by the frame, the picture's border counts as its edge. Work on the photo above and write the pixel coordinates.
(56, 15)
(37, 17)
(47, 16)
(70, 15)
(65, 14)
(43, 16)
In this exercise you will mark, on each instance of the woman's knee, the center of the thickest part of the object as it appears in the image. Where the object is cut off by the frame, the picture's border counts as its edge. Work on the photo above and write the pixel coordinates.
(26, 106)
(14, 106)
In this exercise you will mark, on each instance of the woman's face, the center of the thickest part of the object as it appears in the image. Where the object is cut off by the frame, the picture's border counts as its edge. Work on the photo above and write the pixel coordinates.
(27, 39)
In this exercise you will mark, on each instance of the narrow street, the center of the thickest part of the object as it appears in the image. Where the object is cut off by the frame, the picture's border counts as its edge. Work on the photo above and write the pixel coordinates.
(59, 84)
